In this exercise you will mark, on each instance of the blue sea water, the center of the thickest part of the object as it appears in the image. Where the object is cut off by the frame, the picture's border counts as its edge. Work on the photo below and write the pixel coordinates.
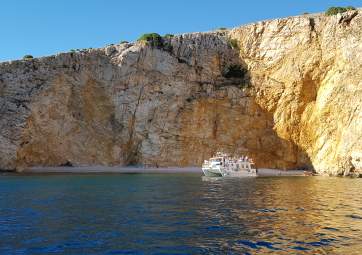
(179, 214)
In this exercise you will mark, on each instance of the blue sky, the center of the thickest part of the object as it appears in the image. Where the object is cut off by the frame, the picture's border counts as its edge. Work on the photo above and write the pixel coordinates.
(45, 27)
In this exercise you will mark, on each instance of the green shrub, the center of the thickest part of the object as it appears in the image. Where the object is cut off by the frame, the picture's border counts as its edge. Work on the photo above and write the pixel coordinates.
(153, 39)
(234, 71)
(222, 28)
(168, 36)
(72, 50)
(28, 57)
(124, 42)
(233, 43)
(335, 10)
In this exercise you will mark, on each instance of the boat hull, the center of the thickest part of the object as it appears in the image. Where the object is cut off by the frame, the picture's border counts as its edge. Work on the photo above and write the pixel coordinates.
(240, 174)
(209, 172)
(220, 172)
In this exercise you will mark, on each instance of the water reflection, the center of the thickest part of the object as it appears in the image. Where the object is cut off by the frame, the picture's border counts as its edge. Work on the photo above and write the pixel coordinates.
(137, 214)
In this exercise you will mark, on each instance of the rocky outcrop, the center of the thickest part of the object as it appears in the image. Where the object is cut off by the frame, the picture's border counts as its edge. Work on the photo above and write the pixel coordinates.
(290, 96)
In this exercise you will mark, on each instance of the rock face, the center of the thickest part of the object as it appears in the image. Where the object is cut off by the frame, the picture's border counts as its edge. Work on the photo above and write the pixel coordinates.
(290, 96)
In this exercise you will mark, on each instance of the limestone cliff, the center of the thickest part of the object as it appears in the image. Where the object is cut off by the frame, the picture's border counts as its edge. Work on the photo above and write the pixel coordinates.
(289, 94)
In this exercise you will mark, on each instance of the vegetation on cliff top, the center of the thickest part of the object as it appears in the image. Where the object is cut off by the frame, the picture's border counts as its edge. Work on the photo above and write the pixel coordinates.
(168, 36)
(26, 57)
(335, 10)
(153, 39)
(157, 41)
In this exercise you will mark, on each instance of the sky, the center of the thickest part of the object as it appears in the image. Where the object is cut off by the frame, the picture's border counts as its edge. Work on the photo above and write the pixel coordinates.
(46, 27)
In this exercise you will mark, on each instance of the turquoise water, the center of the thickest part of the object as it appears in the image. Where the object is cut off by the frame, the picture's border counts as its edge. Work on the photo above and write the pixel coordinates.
(179, 214)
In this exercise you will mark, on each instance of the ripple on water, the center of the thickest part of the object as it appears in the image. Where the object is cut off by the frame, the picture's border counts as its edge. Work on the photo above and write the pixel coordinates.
(331, 229)
(354, 216)
(178, 214)
(300, 248)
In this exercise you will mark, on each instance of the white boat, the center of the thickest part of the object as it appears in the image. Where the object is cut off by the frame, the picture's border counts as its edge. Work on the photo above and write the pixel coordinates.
(223, 165)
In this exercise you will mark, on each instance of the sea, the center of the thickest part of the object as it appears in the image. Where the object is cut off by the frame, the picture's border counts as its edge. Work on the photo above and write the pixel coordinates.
(178, 214)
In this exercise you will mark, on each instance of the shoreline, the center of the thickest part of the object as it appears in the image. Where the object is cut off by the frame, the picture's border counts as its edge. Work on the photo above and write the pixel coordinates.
(262, 172)
(113, 169)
